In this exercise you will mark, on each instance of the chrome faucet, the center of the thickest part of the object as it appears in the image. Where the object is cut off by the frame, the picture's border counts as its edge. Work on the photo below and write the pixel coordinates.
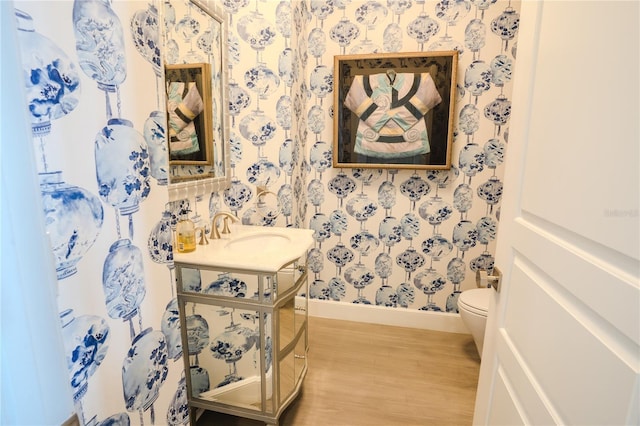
(215, 233)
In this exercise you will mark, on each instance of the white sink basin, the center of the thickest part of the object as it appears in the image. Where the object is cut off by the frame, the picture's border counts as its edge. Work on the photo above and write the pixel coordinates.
(251, 248)
(262, 241)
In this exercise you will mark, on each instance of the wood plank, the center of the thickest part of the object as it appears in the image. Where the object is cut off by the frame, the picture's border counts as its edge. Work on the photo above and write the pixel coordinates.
(369, 374)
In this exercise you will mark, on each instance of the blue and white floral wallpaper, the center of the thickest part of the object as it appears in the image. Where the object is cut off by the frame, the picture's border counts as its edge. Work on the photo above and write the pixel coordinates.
(394, 238)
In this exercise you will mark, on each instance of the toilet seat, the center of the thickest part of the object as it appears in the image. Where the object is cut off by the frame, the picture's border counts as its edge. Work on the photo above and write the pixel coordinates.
(475, 301)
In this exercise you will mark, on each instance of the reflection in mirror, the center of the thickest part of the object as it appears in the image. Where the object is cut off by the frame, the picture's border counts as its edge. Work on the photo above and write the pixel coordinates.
(195, 43)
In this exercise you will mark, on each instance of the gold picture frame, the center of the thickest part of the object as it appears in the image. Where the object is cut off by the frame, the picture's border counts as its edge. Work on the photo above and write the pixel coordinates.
(189, 114)
(394, 110)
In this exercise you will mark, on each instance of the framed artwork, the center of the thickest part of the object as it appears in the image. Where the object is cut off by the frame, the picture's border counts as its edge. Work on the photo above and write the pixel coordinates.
(189, 114)
(394, 110)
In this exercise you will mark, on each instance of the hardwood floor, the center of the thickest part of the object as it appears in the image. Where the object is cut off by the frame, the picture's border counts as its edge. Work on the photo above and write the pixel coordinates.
(366, 374)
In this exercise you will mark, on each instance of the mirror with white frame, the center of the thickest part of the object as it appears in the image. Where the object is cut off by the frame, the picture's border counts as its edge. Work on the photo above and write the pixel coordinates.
(196, 74)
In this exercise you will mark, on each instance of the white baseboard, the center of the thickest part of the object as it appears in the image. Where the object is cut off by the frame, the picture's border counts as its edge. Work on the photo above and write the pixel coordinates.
(400, 317)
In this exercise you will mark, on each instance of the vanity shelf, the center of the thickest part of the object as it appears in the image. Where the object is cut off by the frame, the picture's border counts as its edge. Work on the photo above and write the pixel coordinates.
(244, 327)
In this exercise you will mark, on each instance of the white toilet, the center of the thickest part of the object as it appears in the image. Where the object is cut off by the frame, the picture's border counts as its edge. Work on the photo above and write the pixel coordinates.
(473, 306)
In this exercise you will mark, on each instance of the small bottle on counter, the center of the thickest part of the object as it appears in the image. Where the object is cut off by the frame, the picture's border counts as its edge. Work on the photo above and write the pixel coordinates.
(185, 234)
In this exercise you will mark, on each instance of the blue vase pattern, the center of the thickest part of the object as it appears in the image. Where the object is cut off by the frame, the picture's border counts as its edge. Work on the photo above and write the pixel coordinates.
(144, 370)
(463, 198)
(237, 195)
(315, 260)
(320, 156)
(344, 32)
(423, 28)
(386, 296)
(465, 235)
(123, 280)
(498, 111)
(469, 119)
(339, 222)
(487, 229)
(317, 42)
(160, 242)
(494, 151)
(387, 195)
(73, 219)
(285, 157)
(155, 137)
(285, 67)
(321, 226)
(415, 188)
(197, 333)
(406, 295)
(53, 83)
(283, 18)
(120, 419)
(491, 191)
(475, 35)
(199, 380)
(410, 260)
(284, 112)
(393, 38)
(321, 81)
(451, 11)
(315, 119)
(86, 341)
(100, 43)
(370, 13)
(257, 128)
(122, 166)
(436, 247)
(429, 282)
(435, 211)
(456, 270)
(170, 327)
(227, 285)
(256, 30)
(261, 80)
(384, 265)
(506, 25)
(341, 186)
(145, 32)
(390, 231)
(233, 344)
(501, 70)
(410, 226)
(471, 160)
(263, 172)
(191, 280)
(178, 412)
(478, 77)
(315, 192)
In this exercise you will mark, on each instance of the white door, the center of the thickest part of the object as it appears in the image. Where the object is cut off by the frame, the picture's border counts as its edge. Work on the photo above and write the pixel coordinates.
(563, 336)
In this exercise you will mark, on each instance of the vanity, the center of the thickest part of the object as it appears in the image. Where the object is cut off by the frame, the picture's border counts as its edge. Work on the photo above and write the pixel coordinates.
(243, 312)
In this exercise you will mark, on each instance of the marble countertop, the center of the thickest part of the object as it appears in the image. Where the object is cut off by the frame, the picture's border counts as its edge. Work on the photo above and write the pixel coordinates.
(250, 248)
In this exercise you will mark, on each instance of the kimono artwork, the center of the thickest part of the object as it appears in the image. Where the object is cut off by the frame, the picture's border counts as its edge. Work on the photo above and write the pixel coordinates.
(391, 109)
(184, 105)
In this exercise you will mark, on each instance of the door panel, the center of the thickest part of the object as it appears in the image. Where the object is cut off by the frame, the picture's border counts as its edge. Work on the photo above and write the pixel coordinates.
(558, 342)
(562, 344)
(580, 267)
(583, 107)
(508, 413)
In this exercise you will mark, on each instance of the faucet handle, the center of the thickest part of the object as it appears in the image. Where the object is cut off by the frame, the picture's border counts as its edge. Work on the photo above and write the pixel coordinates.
(203, 236)
(215, 233)
(225, 226)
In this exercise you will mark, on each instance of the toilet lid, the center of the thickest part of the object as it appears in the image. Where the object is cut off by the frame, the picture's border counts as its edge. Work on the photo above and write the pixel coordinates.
(475, 300)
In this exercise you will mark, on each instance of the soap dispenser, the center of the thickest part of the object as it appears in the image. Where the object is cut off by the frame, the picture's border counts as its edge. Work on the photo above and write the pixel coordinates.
(185, 234)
